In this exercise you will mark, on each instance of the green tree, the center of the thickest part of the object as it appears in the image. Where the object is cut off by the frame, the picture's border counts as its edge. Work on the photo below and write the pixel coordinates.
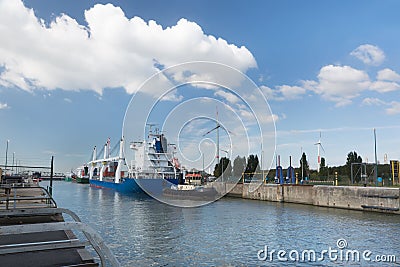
(224, 165)
(252, 163)
(239, 166)
(322, 162)
(304, 165)
(227, 167)
(352, 157)
(323, 171)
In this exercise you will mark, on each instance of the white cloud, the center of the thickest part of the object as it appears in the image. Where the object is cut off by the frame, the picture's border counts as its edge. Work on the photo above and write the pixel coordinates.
(384, 86)
(112, 51)
(369, 54)
(339, 84)
(373, 101)
(67, 100)
(388, 75)
(231, 98)
(9, 78)
(291, 92)
(270, 94)
(283, 92)
(270, 119)
(4, 106)
(264, 119)
(172, 97)
(387, 81)
(394, 109)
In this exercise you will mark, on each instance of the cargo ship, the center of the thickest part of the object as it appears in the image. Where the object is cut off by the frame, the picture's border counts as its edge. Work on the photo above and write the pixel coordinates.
(152, 169)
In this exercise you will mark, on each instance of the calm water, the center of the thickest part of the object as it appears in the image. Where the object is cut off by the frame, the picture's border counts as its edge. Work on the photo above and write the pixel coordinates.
(230, 232)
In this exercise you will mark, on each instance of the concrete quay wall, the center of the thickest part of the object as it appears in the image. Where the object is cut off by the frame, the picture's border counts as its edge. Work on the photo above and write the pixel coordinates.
(237, 191)
(265, 192)
(379, 199)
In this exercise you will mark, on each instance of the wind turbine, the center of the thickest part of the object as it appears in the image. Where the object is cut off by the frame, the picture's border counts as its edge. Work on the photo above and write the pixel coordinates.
(226, 151)
(215, 128)
(319, 145)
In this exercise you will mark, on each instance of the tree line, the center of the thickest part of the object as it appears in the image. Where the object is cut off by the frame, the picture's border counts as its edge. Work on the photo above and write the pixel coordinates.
(241, 166)
(247, 167)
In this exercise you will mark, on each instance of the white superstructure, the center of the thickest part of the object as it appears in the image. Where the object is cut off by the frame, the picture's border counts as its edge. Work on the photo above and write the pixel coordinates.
(99, 168)
(154, 158)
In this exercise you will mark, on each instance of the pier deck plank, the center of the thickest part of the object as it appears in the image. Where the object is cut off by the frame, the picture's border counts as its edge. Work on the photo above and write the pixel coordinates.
(50, 248)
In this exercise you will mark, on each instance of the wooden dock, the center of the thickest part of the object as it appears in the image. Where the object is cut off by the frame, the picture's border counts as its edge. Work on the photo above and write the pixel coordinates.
(33, 232)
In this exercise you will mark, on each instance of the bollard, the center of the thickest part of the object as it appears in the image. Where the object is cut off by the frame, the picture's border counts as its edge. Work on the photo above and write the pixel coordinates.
(336, 179)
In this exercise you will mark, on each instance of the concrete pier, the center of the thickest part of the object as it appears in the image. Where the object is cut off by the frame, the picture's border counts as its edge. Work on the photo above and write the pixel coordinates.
(378, 199)
(33, 232)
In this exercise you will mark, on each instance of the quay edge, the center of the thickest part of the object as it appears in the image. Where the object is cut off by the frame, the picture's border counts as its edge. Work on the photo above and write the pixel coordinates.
(377, 199)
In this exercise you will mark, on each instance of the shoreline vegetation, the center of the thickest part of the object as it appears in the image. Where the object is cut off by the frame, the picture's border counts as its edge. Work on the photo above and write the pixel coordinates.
(354, 172)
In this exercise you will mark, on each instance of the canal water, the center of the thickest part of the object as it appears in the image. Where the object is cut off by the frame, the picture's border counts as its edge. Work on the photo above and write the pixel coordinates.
(140, 231)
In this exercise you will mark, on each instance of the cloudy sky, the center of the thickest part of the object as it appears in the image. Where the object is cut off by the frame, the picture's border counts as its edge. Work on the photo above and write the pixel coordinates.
(68, 70)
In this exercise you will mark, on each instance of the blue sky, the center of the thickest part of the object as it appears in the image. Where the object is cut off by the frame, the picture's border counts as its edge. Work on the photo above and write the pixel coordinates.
(68, 70)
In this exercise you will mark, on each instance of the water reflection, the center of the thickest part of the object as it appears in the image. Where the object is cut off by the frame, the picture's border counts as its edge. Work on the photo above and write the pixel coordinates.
(143, 232)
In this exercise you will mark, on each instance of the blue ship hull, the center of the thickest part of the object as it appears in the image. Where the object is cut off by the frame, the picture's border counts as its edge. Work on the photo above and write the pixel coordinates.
(127, 185)
(151, 186)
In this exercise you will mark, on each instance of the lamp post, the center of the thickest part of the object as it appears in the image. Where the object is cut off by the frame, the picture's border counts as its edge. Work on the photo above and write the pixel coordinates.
(5, 165)
(202, 173)
(222, 165)
(376, 159)
(203, 161)
(302, 172)
(262, 169)
(327, 169)
(12, 168)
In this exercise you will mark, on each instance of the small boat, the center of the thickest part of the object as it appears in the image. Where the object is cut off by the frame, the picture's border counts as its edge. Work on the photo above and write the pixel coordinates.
(190, 192)
(70, 176)
(82, 180)
(82, 176)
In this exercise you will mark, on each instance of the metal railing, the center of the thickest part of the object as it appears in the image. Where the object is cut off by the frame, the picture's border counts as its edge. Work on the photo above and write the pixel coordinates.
(20, 208)
(18, 197)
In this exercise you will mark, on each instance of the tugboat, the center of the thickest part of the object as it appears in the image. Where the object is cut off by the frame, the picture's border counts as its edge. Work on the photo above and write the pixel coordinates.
(190, 192)
(82, 175)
